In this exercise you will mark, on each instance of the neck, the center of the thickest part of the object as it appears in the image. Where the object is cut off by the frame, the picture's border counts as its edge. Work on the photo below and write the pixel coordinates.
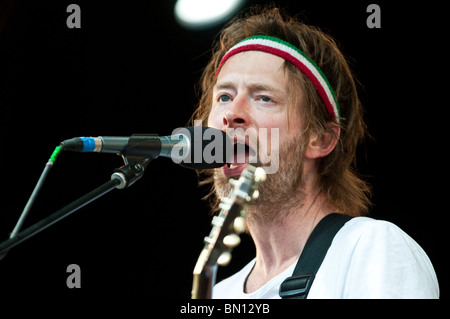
(281, 232)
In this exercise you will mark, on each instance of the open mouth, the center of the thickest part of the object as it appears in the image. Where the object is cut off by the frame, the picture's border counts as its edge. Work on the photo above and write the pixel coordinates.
(243, 154)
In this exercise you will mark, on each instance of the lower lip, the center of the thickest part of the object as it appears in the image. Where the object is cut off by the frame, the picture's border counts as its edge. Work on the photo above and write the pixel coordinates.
(233, 171)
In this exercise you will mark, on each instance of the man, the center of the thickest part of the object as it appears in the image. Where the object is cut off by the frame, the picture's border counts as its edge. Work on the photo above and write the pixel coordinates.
(271, 72)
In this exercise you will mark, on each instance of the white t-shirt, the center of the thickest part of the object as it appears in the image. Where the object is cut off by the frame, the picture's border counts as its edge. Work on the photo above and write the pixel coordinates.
(367, 258)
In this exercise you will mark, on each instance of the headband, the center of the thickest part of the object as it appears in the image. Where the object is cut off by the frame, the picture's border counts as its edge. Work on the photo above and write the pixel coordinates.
(294, 55)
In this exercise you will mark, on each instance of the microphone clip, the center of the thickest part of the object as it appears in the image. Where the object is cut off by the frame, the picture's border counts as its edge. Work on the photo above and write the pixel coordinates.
(135, 161)
(129, 173)
(142, 148)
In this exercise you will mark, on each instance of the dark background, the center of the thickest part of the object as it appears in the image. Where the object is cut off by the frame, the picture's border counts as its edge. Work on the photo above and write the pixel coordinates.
(132, 69)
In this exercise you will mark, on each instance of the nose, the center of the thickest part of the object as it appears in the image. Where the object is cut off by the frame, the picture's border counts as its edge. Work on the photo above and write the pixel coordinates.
(231, 119)
(236, 115)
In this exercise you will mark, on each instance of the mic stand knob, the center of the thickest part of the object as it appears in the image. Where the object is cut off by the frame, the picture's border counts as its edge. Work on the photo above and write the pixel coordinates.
(128, 174)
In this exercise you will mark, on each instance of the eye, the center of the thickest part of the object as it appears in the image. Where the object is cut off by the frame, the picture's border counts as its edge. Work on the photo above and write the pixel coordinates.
(265, 99)
(224, 98)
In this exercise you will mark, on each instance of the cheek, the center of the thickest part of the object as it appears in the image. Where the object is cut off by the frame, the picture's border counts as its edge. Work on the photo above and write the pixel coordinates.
(279, 131)
(213, 119)
(278, 122)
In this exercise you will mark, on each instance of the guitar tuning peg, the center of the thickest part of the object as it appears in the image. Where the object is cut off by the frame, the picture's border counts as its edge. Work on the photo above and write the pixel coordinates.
(239, 225)
(255, 194)
(260, 174)
(224, 259)
(233, 182)
(231, 240)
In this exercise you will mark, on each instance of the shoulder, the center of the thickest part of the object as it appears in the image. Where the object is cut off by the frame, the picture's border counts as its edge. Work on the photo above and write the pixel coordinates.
(362, 233)
(376, 259)
(366, 228)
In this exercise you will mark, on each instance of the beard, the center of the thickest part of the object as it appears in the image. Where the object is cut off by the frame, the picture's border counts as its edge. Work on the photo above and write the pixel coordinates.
(280, 190)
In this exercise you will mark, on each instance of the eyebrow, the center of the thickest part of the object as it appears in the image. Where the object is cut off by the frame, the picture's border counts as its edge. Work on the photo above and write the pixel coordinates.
(255, 86)
(224, 85)
(265, 87)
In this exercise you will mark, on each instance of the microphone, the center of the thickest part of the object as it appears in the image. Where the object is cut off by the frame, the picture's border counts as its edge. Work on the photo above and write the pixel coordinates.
(194, 147)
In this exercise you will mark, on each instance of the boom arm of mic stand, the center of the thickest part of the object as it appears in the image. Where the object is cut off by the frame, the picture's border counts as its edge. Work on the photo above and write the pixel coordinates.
(121, 178)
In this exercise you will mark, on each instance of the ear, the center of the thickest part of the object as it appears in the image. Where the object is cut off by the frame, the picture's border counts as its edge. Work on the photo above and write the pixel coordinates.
(324, 144)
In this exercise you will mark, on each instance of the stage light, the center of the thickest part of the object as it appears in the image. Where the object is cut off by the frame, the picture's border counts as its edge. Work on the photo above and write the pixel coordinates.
(201, 14)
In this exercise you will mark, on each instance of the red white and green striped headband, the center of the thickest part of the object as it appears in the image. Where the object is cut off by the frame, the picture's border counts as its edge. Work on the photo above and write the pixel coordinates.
(294, 55)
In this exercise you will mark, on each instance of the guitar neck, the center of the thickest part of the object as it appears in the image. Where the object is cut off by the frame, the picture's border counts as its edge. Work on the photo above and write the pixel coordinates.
(224, 233)
(204, 282)
(205, 269)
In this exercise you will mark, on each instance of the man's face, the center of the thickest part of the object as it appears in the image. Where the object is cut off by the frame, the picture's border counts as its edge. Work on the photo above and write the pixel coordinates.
(252, 93)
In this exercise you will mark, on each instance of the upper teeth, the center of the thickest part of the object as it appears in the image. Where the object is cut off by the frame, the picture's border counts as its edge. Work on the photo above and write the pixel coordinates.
(232, 166)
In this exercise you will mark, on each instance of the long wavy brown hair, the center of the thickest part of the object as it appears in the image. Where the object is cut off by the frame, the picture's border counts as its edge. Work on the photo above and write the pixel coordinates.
(338, 179)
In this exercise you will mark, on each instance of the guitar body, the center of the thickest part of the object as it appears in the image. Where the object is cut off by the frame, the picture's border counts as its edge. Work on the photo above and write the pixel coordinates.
(225, 229)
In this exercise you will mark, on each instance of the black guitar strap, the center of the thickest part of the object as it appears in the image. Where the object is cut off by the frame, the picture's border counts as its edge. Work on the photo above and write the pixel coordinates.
(297, 286)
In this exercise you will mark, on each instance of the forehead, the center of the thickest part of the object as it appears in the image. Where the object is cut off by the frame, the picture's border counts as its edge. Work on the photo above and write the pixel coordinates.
(254, 67)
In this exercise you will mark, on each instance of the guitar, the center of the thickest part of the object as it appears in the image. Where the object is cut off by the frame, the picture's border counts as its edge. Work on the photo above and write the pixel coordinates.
(226, 227)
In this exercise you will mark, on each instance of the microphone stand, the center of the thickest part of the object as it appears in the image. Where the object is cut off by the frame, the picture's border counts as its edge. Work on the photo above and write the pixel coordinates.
(122, 177)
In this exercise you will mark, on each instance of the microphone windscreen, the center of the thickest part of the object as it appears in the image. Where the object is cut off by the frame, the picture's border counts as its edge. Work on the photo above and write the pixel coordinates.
(209, 148)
